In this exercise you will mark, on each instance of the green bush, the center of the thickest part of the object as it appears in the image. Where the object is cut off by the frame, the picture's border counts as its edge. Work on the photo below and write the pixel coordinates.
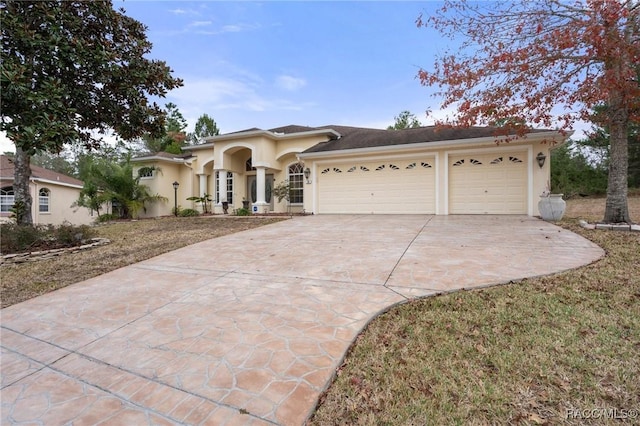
(17, 238)
(69, 235)
(243, 212)
(189, 212)
(572, 173)
(107, 217)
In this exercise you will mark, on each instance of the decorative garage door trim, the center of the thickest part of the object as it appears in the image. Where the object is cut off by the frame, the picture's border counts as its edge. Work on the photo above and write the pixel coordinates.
(496, 182)
(384, 186)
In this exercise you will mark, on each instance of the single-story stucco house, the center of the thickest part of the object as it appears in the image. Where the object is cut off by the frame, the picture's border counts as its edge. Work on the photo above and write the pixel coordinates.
(52, 194)
(342, 169)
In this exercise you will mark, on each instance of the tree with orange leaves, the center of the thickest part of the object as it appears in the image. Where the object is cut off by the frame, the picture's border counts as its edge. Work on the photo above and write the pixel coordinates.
(544, 63)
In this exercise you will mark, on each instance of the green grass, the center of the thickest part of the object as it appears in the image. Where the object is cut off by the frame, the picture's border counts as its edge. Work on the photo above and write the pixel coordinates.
(523, 353)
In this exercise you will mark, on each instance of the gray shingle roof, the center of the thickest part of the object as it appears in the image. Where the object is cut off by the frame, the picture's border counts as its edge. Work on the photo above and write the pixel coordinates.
(294, 128)
(359, 137)
(157, 155)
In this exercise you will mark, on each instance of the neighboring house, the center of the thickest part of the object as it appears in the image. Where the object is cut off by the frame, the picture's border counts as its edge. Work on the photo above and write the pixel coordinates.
(341, 169)
(52, 195)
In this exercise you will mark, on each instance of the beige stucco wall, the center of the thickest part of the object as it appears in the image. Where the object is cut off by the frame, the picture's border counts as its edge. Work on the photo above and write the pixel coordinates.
(276, 154)
(538, 177)
(161, 183)
(60, 206)
(61, 199)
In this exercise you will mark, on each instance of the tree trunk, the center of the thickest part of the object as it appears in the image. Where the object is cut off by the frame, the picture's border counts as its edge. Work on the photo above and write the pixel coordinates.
(617, 208)
(22, 175)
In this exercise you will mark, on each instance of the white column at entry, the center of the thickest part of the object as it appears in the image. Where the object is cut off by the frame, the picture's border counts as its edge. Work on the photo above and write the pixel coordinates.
(203, 184)
(222, 185)
(222, 192)
(261, 178)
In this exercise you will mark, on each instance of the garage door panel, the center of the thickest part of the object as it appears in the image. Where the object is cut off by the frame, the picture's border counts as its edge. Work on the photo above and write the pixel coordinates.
(488, 184)
(378, 187)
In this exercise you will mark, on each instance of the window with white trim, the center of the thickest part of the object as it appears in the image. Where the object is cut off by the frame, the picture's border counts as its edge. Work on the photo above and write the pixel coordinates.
(44, 196)
(229, 187)
(7, 199)
(296, 183)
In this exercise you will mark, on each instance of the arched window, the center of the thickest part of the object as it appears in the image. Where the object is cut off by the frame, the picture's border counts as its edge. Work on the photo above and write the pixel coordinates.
(7, 199)
(296, 183)
(44, 196)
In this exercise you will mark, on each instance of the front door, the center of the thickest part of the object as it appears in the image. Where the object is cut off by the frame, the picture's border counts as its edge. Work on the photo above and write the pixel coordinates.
(252, 185)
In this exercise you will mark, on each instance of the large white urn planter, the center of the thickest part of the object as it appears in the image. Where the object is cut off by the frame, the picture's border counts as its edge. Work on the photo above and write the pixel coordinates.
(551, 207)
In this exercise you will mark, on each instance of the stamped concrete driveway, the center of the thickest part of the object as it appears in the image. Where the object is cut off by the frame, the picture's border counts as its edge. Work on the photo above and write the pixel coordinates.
(249, 328)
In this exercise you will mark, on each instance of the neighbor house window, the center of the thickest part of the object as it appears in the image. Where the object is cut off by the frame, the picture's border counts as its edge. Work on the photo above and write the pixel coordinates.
(296, 183)
(7, 199)
(44, 195)
(229, 187)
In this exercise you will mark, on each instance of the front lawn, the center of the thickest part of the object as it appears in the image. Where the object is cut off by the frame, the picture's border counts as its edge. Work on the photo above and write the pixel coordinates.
(542, 351)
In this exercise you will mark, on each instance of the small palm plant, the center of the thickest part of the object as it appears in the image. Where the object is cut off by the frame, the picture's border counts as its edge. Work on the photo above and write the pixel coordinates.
(204, 200)
(105, 181)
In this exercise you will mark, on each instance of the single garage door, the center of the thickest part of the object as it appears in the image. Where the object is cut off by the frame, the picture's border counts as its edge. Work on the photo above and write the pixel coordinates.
(488, 184)
(391, 187)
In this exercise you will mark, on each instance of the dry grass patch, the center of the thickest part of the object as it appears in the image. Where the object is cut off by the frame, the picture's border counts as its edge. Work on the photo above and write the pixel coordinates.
(131, 242)
(525, 353)
(591, 209)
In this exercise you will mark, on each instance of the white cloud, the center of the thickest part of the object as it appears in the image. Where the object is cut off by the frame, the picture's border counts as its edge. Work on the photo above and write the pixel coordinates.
(200, 23)
(180, 11)
(581, 129)
(234, 28)
(6, 144)
(237, 96)
(231, 28)
(436, 114)
(290, 83)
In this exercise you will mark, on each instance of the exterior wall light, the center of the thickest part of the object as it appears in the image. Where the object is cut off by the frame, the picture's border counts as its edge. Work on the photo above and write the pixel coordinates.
(540, 158)
(307, 174)
(175, 198)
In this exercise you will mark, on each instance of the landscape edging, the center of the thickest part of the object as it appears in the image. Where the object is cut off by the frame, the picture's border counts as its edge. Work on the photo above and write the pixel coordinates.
(13, 258)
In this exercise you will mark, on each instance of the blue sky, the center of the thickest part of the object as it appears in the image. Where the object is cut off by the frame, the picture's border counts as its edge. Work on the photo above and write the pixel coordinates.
(273, 63)
(268, 64)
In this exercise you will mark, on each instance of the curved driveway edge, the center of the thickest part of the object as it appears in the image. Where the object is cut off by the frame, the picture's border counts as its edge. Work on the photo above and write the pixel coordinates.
(249, 328)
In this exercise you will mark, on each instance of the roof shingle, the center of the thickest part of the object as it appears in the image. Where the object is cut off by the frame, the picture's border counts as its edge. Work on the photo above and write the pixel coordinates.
(359, 137)
(7, 171)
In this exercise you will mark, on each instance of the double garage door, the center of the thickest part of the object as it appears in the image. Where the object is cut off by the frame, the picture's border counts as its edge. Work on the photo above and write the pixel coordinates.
(380, 187)
(488, 184)
(477, 184)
